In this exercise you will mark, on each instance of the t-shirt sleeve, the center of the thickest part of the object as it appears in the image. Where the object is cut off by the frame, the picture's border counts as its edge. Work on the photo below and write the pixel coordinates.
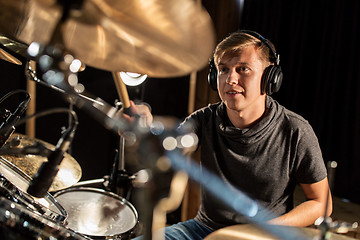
(310, 166)
(192, 123)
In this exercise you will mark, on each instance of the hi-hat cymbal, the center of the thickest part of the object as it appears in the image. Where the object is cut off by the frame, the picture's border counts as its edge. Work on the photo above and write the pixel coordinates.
(251, 232)
(155, 37)
(69, 169)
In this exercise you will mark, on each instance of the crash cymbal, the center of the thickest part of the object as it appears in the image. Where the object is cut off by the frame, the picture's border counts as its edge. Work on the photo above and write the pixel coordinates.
(155, 37)
(251, 232)
(69, 169)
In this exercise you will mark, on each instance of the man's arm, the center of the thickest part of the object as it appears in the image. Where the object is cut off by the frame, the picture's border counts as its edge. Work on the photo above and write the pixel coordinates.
(307, 212)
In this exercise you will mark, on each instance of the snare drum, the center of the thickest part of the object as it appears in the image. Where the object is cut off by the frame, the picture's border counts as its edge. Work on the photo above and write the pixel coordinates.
(13, 186)
(97, 213)
(17, 222)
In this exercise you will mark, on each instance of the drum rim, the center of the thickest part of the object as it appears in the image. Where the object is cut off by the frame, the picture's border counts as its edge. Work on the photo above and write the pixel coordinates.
(60, 217)
(111, 194)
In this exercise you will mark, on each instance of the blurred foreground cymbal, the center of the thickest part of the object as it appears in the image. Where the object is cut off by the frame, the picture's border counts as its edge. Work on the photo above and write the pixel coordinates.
(160, 38)
(69, 169)
(251, 232)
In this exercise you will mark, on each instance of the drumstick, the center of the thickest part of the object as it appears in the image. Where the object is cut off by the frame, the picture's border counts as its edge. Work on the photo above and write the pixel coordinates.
(122, 92)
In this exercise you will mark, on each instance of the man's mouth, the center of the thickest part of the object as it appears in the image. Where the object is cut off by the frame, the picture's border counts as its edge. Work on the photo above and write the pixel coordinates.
(233, 92)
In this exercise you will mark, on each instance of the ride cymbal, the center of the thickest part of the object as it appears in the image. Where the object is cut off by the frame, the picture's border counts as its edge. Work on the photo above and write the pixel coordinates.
(69, 170)
(155, 37)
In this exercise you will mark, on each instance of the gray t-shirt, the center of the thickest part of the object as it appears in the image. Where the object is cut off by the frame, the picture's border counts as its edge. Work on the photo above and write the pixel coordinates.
(265, 162)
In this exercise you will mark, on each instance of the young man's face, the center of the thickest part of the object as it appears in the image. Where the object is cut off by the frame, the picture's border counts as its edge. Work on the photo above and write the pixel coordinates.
(239, 79)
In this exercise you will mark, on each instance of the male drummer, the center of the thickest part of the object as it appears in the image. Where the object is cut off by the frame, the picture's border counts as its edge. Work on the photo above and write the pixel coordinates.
(255, 144)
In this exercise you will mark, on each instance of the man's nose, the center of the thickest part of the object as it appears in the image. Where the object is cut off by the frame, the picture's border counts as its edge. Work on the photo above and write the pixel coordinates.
(232, 78)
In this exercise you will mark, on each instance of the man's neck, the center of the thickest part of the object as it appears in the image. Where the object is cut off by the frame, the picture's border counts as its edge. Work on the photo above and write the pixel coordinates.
(247, 118)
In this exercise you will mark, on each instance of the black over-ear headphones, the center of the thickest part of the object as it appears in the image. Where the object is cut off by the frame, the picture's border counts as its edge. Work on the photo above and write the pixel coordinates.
(272, 76)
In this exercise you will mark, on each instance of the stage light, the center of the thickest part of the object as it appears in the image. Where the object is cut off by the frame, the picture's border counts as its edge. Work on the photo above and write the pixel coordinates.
(132, 79)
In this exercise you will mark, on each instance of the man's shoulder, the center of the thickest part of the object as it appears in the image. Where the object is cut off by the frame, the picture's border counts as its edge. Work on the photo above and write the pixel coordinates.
(209, 109)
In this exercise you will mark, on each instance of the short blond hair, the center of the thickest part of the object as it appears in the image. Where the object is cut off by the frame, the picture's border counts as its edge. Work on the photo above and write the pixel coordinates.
(237, 40)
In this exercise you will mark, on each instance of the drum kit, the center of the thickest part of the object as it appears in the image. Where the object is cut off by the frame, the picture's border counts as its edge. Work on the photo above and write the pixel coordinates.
(40, 193)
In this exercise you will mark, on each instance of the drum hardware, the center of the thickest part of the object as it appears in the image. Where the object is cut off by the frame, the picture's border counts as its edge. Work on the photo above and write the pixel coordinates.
(8, 126)
(4, 114)
(325, 224)
(119, 181)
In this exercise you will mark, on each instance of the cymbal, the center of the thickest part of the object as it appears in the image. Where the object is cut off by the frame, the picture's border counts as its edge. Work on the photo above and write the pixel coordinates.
(156, 37)
(251, 232)
(69, 169)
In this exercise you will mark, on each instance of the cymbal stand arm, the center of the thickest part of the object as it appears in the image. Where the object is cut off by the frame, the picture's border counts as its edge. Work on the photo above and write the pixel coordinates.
(31, 87)
(325, 225)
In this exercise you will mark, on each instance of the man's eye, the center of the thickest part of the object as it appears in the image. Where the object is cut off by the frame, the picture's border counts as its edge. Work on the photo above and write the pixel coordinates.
(222, 70)
(243, 69)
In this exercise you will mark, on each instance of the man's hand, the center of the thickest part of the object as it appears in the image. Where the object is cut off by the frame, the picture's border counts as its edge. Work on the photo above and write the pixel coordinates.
(142, 110)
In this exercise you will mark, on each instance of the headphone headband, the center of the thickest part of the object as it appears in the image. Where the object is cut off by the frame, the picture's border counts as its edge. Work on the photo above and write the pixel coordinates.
(266, 42)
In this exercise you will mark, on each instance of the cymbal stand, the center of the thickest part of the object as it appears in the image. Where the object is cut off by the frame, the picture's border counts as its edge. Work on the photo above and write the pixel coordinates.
(324, 226)
(325, 223)
(119, 180)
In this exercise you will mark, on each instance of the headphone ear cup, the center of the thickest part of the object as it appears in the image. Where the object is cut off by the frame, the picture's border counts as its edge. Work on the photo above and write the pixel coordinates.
(271, 79)
(212, 76)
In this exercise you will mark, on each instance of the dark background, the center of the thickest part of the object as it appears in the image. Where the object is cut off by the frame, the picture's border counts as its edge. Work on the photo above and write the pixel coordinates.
(319, 49)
